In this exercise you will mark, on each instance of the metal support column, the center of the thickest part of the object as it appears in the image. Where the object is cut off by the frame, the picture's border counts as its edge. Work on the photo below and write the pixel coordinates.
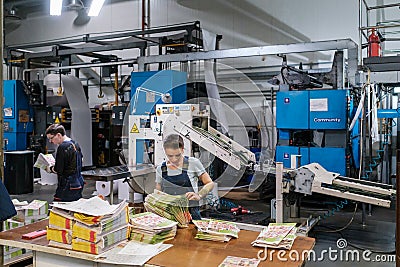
(279, 193)
(364, 154)
(397, 208)
(1, 114)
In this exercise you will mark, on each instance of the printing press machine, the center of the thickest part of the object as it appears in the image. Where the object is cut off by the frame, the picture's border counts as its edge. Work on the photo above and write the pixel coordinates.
(191, 121)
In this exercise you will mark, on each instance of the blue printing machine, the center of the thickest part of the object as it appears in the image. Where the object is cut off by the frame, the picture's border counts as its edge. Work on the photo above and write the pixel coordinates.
(319, 109)
(312, 110)
(17, 116)
(331, 158)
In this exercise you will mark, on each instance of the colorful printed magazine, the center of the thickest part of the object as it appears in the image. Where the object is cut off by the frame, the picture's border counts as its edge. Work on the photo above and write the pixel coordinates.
(287, 242)
(216, 230)
(44, 160)
(175, 208)
(151, 238)
(151, 221)
(231, 261)
(151, 228)
(277, 235)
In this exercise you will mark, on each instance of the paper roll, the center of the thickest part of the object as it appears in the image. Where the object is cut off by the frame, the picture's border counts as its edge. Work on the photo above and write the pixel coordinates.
(81, 125)
(103, 188)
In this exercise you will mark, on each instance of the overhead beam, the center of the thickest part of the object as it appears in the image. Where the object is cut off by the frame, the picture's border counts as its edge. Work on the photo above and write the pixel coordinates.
(95, 39)
(343, 44)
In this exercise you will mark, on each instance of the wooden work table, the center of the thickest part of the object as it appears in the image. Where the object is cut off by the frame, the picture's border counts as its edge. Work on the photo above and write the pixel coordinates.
(187, 251)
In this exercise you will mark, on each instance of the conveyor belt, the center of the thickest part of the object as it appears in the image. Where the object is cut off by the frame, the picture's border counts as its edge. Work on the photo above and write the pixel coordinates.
(222, 144)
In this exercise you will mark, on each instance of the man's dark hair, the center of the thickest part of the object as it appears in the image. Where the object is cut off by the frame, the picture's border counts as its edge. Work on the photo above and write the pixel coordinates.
(173, 141)
(55, 129)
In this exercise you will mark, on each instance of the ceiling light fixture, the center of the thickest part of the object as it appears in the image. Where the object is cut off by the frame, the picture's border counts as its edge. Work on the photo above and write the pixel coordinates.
(55, 7)
(95, 7)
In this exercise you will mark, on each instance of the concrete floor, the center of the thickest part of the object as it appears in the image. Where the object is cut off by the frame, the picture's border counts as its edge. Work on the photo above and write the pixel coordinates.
(378, 234)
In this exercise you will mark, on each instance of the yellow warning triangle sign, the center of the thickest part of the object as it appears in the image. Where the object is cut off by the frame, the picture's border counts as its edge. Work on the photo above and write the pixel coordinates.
(134, 129)
(57, 120)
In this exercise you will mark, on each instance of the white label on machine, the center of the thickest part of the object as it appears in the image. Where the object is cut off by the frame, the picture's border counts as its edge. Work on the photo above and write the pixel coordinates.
(182, 108)
(8, 112)
(319, 104)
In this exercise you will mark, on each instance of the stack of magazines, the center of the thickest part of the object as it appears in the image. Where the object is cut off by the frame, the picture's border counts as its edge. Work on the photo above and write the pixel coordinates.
(277, 235)
(88, 225)
(35, 211)
(216, 230)
(175, 208)
(151, 228)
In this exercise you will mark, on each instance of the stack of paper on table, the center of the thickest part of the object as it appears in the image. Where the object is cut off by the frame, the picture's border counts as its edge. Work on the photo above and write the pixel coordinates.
(103, 242)
(151, 228)
(88, 225)
(27, 213)
(34, 211)
(216, 230)
(9, 253)
(175, 208)
(44, 160)
(277, 235)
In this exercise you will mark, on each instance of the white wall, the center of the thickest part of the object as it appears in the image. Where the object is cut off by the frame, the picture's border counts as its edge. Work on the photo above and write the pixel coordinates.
(242, 22)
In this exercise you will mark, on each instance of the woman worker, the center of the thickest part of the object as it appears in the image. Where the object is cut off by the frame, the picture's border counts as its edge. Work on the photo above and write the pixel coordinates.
(179, 175)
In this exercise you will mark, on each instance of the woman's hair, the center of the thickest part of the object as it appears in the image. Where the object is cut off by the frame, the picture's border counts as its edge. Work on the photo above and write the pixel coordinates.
(55, 129)
(173, 141)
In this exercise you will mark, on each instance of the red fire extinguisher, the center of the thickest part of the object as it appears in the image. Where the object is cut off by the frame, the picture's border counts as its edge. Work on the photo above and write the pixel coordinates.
(374, 44)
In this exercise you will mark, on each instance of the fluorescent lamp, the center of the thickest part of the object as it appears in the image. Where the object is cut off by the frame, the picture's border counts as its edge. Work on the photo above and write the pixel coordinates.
(55, 7)
(95, 8)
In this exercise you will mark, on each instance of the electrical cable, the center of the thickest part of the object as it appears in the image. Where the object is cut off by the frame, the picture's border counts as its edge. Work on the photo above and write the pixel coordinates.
(339, 231)
(344, 227)
(285, 81)
(359, 173)
(353, 245)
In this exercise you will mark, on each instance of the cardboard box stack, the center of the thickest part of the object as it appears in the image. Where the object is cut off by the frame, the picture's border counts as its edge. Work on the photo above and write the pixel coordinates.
(88, 225)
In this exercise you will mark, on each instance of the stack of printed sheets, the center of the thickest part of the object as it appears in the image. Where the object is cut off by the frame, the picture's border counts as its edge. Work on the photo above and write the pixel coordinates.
(216, 230)
(151, 228)
(88, 225)
(277, 235)
(27, 213)
(174, 208)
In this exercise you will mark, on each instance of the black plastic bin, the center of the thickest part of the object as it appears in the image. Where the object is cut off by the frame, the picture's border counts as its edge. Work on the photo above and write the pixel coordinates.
(18, 172)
